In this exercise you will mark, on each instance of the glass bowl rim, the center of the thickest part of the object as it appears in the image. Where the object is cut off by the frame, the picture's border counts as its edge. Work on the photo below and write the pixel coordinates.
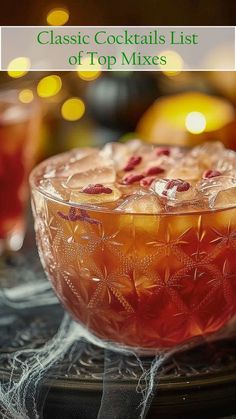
(94, 208)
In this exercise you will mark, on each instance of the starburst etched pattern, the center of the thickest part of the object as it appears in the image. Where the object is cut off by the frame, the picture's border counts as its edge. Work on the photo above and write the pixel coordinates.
(108, 286)
(227, 237)
(171, 286)
(223, 282)
(99, 238)
(171, 245)
(167, 244)
(141, 281)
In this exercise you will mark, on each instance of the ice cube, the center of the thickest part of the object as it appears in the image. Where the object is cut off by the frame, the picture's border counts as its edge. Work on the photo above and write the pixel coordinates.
(80, 197)
(186, 172)
(159, 187)
(54, 188)
(213, 186)
(134, 145)
(208, 153)
(104, 174)
(119, 153)
(165, 161)
(86, 157)
(177, 192)
(227, 163)
(144, 160)
(79, 153)
(141, 204)
(66, 165)
(211, 148)
(91, 161)
(173, 189)
(190, 195)
(226, 198)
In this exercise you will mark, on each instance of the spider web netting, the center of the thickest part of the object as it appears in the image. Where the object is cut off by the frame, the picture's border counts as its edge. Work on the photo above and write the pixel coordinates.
(36, 337)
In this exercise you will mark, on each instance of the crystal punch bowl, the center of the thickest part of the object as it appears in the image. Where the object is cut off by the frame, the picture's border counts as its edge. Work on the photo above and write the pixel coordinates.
(144, 263)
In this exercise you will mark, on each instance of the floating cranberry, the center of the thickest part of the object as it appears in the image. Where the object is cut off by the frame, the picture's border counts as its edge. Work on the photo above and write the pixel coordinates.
(179, 184)
(131, 178)
(74, 216)
(211, 173)
(155, 170)
(96, 189)
(128, 168)
(162, 151)
(147, 181)
(132, 163)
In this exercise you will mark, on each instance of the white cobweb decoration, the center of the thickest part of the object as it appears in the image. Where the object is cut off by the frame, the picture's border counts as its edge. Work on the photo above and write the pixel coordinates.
(19, 393)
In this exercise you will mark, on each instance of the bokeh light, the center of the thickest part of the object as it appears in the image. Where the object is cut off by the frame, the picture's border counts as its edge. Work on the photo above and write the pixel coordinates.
(57, 17)
(73, 109)
(89, 75)
(49, 86)
(195, 122)
(18, 67)
(87, 71)
(26, 96)
(174, 63)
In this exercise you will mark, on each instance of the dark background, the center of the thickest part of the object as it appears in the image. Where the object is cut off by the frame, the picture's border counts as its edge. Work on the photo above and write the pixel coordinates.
(122, 12)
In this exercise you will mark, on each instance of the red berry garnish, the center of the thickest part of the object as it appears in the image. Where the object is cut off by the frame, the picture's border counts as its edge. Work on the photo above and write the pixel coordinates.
(162, 151)
(128, 168)
(147, 181)
(81, 216)
(96, 189)
(155, 170)
(211, 173)
(132, 162)
(181, 185)
(131, 178)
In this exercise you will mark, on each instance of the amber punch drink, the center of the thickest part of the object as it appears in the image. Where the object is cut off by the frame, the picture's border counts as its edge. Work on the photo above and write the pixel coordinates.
(19, 124)
(139, 241)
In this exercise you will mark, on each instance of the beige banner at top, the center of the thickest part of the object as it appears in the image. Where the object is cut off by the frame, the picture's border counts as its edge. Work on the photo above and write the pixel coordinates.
(53, 48)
